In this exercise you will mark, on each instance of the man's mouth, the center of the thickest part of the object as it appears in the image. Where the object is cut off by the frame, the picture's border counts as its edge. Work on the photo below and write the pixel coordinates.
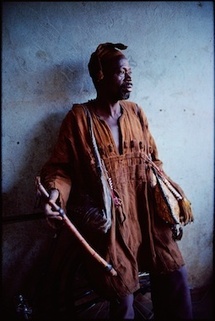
(128, 87)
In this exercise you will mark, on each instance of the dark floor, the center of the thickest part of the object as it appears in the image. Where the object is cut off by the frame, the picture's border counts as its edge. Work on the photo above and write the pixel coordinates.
(89, 306)
(202, 299)
(202, 307)
(203, 304)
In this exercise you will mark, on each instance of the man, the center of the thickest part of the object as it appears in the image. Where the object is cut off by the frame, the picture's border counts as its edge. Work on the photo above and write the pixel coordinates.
(137, 239)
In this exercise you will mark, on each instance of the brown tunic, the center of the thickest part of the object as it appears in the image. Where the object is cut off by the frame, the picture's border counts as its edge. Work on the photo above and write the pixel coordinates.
(138, 240)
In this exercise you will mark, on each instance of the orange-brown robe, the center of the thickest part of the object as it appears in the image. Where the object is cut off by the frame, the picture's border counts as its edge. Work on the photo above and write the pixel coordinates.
(138, 240)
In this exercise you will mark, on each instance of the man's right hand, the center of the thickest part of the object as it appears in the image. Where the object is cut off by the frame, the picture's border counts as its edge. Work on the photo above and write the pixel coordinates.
(49, 210)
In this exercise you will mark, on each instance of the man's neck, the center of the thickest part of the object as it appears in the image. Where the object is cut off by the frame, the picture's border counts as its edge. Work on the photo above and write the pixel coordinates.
(108, 108)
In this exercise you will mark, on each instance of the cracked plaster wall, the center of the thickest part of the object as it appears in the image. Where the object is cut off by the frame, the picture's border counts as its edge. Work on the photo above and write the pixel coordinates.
(46, 48)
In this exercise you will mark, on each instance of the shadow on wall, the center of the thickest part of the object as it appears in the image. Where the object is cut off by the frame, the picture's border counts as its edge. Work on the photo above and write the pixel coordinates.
(26, 240)
(21, 197)
(63, 81)
(55, 89)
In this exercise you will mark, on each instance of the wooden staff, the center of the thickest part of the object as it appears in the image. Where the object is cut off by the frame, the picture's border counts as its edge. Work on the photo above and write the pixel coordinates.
(108, 267)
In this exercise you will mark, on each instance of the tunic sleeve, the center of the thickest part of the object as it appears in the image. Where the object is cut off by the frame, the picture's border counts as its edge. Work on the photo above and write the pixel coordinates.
(153, 151)
(151, 145)
(56, 173)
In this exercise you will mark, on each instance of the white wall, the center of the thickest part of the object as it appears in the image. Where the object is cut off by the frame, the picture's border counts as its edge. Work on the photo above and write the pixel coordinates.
(46, 48)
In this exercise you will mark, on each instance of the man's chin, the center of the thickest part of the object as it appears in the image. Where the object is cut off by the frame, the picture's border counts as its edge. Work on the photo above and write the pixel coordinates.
(125, 96)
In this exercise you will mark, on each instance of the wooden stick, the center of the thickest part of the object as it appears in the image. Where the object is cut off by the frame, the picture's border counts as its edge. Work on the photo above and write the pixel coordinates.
(108, 267)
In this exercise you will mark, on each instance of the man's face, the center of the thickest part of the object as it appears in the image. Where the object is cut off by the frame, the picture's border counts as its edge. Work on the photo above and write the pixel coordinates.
(117, 82)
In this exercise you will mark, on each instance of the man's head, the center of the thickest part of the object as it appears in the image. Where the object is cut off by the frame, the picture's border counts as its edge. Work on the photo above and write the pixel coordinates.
(99, 59)
(110, 70)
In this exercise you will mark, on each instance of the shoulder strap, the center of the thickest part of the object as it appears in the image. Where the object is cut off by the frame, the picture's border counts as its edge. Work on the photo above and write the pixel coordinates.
(93, 139)
(106, 190)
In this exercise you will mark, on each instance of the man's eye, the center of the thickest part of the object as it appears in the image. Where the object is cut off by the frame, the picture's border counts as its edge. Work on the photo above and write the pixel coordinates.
(124, 72)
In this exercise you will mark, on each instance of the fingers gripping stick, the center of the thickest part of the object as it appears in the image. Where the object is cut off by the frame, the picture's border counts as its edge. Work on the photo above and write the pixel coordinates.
(108, 267)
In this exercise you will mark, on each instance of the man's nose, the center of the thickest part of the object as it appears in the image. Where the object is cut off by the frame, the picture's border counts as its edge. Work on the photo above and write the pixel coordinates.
(127, 76)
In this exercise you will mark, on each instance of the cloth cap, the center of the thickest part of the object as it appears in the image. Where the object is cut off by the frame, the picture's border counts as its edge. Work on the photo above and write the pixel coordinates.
(103, 53)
